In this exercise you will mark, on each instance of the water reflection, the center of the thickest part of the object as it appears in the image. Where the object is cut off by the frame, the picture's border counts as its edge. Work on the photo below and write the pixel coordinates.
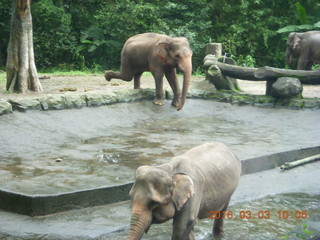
(103, 146)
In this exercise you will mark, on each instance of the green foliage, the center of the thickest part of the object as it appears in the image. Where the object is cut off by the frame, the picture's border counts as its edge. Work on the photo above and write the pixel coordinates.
(3, 78)
(90, 34)
(248, 28)
(316, 67)
(119, 21)
(54, 41)
(302, 14)
(5, 10)
(304, 235)
(247, 61)
(303, 18)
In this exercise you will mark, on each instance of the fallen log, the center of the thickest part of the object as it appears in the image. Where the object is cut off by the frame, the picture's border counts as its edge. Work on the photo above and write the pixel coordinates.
(274, 73)
(234, 71)
(264, 73)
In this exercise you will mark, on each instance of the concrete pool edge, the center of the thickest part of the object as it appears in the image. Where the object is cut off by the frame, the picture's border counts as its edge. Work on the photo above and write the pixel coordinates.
(38, 205)
(75, 100)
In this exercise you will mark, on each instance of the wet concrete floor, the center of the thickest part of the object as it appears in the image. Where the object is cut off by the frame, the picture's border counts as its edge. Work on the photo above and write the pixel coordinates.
(70, 150)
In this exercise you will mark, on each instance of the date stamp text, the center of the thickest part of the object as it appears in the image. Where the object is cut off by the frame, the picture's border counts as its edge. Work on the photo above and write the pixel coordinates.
(282, 214)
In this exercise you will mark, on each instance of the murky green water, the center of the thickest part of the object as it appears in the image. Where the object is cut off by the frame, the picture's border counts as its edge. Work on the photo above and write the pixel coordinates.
(252, 225)
(69, 150)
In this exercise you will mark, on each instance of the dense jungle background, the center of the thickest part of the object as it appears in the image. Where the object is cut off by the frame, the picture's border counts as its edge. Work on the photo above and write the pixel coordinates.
(89, 34)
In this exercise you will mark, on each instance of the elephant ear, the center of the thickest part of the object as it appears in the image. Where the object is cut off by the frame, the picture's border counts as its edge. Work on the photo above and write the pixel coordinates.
(163, 50)
(296, 41)
(183, 189)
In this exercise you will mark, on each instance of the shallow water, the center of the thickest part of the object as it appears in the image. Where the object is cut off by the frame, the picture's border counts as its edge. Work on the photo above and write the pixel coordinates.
(69, 150)
(254, 224)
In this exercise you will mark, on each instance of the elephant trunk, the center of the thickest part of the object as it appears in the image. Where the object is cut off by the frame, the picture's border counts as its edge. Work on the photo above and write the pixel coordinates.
(139, 223)
(186, 67)
(289, 57)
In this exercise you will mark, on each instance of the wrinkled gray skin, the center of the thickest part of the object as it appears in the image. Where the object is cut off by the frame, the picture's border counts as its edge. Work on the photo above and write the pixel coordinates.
(186, 189)
(161, 55)
(304, 46)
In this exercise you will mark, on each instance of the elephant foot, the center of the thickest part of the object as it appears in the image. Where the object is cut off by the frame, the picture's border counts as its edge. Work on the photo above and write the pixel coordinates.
(158, 102)
(108, 75)
(175, 102)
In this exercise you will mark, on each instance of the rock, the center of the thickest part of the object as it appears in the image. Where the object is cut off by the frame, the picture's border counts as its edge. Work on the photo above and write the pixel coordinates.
(109, 97)
(5, 108)
(286, 87)
(94, 99)
(148, 94)
(130, 95)
(24, 104)
(73, 100)
(52, 102)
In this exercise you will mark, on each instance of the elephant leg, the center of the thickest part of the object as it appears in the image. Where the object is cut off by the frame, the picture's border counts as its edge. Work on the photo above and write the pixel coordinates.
(158, 77)
(218, 222)
(183, 229)
(126, 72)
(309, 65)
(191, 235)
(137, 77)
(304, 62)
(126, 76)
(174, 84)
(186, 218)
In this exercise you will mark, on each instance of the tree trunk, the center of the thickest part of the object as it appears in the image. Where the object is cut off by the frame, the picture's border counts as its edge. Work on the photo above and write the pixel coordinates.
(311, 77)
(21, 69)
(214, 49)
(264, 73)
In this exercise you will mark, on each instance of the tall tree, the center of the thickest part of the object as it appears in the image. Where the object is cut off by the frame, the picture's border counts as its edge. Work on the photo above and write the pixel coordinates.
(21, 69)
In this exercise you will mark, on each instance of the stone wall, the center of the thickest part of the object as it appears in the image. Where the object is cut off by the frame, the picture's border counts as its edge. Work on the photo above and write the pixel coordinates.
(73, 100)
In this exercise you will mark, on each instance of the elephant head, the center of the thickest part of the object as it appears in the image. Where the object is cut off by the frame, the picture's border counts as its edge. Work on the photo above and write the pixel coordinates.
(176, 53)
(156, 196)
(293, 47)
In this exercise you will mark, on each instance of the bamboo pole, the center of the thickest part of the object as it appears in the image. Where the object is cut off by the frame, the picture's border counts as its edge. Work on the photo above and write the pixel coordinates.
(293, 164)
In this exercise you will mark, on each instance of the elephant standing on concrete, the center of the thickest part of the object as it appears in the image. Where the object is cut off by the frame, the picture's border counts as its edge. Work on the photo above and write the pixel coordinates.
(186, 189)
(161, 55)
(306, 47)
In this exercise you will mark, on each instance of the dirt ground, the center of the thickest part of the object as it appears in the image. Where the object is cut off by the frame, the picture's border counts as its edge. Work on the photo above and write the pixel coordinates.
(60, 84)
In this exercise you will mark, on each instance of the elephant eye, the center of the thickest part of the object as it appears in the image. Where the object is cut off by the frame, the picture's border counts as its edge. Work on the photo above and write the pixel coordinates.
(153, 204)
(177, 56)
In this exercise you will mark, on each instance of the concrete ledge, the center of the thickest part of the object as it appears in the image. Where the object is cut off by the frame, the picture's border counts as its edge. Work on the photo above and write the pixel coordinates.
(35, 205)
(267, 162)
(5, 108)
(99, 98)
(74, 100)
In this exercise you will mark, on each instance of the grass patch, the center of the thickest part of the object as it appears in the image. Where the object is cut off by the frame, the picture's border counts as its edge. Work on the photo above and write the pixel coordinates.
(68, 72)
(3, 78)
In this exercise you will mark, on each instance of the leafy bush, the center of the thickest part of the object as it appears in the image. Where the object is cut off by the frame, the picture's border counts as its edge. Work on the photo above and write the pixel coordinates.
(305, 24)
(54, 41)
(5, 10)
(90, 34)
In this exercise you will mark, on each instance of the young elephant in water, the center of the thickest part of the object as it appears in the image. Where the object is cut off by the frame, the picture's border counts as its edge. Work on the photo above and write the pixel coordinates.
(186, 189)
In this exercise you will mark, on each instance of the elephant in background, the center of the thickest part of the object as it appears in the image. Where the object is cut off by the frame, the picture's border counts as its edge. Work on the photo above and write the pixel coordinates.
(186, 189)
(161, 55)
(306, 47)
